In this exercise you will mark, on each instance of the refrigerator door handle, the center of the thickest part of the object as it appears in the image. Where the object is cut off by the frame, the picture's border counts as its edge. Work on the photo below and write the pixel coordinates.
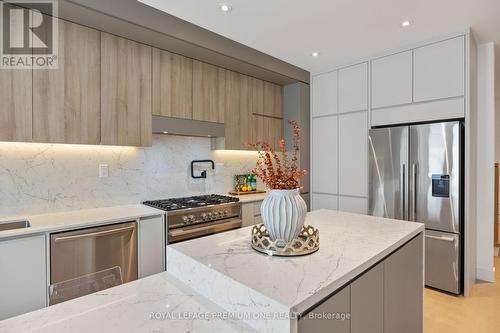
(402, 192)
(414, 193)
(442, 238)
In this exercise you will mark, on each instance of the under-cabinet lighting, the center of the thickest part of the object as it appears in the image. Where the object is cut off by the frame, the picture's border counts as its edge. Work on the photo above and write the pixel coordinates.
(63, 148)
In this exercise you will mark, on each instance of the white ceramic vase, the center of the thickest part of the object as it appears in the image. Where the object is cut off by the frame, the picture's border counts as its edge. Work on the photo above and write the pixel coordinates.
(283, 213)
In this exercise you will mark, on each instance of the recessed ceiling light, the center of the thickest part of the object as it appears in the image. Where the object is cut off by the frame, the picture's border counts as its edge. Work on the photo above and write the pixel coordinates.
(315, 54)
(406, 23)
(225, 7)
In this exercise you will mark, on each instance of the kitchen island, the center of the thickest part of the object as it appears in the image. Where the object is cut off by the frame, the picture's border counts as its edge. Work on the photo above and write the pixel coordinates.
(368, 273)
(366, 277)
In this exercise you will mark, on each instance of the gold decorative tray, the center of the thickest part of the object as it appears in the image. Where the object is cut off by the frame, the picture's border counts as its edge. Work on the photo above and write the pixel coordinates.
(307, 242)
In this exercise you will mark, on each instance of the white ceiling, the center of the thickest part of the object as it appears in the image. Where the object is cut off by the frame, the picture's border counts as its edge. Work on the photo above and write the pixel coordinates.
(341, 30)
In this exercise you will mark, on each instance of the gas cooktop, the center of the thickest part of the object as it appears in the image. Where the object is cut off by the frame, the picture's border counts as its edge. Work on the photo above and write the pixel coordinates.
(191, 202)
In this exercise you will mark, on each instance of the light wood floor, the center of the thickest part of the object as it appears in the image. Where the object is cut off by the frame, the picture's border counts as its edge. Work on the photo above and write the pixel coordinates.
(480, 312)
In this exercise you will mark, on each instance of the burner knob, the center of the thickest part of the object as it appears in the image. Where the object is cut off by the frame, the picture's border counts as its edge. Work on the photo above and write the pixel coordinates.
(204, 216)
(185, 219)
(210, 215)
(192, 218)
(226, 212)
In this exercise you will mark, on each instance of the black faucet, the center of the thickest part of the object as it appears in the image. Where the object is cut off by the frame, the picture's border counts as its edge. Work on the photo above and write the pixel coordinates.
(204, 172)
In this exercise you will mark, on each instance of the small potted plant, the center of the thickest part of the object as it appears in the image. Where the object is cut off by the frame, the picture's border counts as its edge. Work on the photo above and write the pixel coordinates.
(283, 210)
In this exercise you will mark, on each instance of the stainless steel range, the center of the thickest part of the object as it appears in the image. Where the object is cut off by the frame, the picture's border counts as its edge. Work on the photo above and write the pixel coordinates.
(197, 216)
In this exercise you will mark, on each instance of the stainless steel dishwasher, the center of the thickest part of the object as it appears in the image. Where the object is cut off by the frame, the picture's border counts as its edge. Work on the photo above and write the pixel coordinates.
(88, 260)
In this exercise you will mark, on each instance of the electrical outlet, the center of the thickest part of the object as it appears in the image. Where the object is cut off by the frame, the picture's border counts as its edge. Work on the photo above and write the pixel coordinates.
(103, 170)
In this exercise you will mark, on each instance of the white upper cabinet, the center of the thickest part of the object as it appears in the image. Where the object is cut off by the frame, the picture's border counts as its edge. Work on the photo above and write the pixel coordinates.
(324, 93)
(391, 80)
(439, 70)
(353, 152)
(353, 88)
(325, 154)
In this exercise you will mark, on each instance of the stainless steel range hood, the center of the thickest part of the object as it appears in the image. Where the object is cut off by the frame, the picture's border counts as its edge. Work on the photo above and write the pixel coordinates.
(186, 127)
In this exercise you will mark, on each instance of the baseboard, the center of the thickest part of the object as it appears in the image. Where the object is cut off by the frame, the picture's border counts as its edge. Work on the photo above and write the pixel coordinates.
(487, 275)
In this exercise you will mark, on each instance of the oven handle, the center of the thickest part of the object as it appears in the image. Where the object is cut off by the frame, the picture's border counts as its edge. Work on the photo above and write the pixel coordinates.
(187, 233)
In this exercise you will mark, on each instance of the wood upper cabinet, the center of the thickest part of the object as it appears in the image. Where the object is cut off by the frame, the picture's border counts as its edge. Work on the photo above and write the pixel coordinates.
(15, 107)
(209, 92)
(126, 92)
(267, 129)
(66, 100)
(267, 112)
(257, 87)
(238, 105)
(172, 85)
(273, 100)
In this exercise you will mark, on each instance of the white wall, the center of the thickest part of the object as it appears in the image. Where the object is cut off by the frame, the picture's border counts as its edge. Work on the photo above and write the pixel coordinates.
(39, 178)
(485, 160)
(497, 104)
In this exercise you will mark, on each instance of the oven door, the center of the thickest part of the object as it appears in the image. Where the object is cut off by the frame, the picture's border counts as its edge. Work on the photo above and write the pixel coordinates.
(199, 230)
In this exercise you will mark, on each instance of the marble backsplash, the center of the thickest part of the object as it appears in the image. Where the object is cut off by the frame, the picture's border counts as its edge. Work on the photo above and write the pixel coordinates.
(39, 178)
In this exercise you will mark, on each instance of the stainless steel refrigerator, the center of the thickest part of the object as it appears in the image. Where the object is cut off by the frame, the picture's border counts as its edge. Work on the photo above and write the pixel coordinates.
(416, 174)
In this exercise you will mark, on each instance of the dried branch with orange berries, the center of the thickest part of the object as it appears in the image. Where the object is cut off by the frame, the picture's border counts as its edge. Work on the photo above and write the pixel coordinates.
(279, 170)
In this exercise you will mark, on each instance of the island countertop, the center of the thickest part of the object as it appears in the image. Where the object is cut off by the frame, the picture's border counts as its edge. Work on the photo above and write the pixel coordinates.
(157, 303)
(226, 270)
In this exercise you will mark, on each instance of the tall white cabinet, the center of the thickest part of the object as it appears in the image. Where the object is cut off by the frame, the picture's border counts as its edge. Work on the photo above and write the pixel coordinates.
(339, 139)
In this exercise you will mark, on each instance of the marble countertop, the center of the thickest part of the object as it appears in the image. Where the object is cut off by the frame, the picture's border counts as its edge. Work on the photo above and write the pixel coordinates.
(53, 222)
(226, 270)
(158, 303)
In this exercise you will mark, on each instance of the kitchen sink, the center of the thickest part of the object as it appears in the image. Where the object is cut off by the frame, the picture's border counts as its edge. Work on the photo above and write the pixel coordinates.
(12, 225)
